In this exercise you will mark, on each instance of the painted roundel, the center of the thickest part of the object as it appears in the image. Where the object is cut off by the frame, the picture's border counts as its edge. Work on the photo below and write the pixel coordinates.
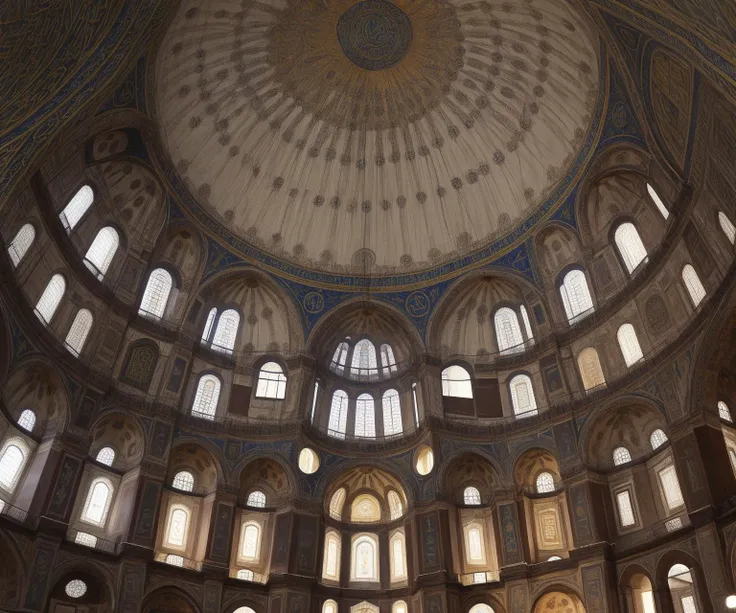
(374, 34)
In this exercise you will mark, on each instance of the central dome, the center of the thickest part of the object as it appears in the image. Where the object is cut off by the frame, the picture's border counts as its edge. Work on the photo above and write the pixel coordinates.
(374, 135)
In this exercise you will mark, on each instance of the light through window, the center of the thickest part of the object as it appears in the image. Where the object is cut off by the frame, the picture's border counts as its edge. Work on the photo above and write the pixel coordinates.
(174, 560)
(658, 201)
(657, 439)
(308, 461)
(590, 369)
(27, 420)
(364, 365)
(257, 499)
(156, 295)
(251, 542)
(338, 415)
(724, 412)
(101, 252)
(398, 557)
(545, 483)
(728, 228)
(365, 558)
(78, 332)
(508, 331)
(271, 382)
(474, 543)
(456, 382)
(392, 413)
(209, 324)
(630, 246)
(576, 298)
(106, 456)
(629, 344)
(21, 243)
(331, 562)
(12, 461)
(183, 481)
(176, 535)
(340, 358)
(205, 400)
(671, 488)
(76, 588)
(621, 456)
(625, 509)
(226, 331)
(471, 496)
(693, 284)
(50, 299)
(76, 208)
(336, 503)
(388, 361)
(98, 501)
(522, 396)
(395, 506)
(245, 575)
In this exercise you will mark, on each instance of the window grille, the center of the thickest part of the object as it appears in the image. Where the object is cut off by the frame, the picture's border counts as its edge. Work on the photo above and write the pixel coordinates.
(226, 331)
(106, 456)
(209, 324)
(174, 560)
(245, 575)
(630, 246)
(22, 242)
(625, 509)
(50, 299)
(156, 295)
(76, 588)
(658, 202)
(545, 483)
(621, 456)
(98, 502)
(590, 369)
(86, 539)
(364, 365)
(257, 499)
(657, 439)
(724, 412)
(527, 323)
(508, 331)
(728, 228)
(271, 382)
(78, 332)
(12, 461)
(27, 420)
(340, 358)
(101, 252)
(471, 496)
(176, 535)
(576, 298)
(392, 413)
(183, 481)
(522, 396)
(693, 284)
(76, 208)
(365, 417)
(208, 394)
(629, 344)
(338, 415)
(456, 382)
(336, 503)
(388, 361)
(671, 488)
(395, 506)
(251, 542)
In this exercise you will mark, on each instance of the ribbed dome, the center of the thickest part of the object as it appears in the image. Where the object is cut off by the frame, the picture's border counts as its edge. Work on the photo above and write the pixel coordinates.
(374, 135)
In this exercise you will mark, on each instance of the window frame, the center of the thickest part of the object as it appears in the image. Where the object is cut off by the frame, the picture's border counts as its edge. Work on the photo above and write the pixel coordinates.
(357, 540)
(154, 316)
(103, 254)
(698, 287)
(167, 543)
(627, 490)
(242, 554)
(591, 351)
(209, 376)
(630, 255)
(448, 384)
(394, 576)
(25, 451)
(629, 345)
(342, 418)
(562, 283)
(83, 516)
(81, 334)
(271, 385)
(332, 536)
(68, 226)
(21, 240)
(513, 395)
(55, 309)
(220, 339)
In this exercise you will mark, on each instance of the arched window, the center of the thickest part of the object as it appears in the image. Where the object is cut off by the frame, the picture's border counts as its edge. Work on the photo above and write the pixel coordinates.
(456, 382)
(178, 526)
(257, 499)
(12, 461)
(508, 331)
(481, 608)
(527, 323)
(395, 506)
(365, 558)
(471, 496)
(330, 606)
(365, 417)
(397, 551)
(331, 560)
(575, 294)
(174, 560)
(658, 201)
(27, 420)
(76, 208)
(156, 295)
(388, 361)
(693, 284)
(621, 456)
(209, 325)
(364, 365)
(250, 543)
(226, 331)
(657, 439)
(183, 481)
(101, 252)
(271, 382)
(340, 358)
(98, 501)
(399, 607)
(474, 548)
(724, 412)
(629, 344)
(50, 299)
(338, 415)
(728, 228)
(205, 400)
(106, 456)
(392, 413)
(22, 242)
(590, 369)
(78, 332)
(522, 396)
(336, 503)
(365, 509)
(545, 483)
(632, 250)
(244, 575)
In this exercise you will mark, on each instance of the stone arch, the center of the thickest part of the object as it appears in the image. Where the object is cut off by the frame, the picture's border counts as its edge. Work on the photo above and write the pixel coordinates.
(530, 463)
(176, 599)
(486, 599)
(678, 556)
(201, 458)
(124, 433)
(182, 246)
(559, 599)
(558, 247)
(469, 468)
(100, 581)
(269, 474)
(235, 602)
(633, 582)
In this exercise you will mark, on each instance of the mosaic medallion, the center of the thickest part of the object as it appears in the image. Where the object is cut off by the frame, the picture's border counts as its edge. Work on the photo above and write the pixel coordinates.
(374, 34)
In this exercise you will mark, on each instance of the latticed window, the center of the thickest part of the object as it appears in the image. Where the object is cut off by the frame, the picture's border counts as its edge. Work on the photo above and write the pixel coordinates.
(101, 252)
(205, 400)
(209, 325)
(271, 382)
(365, 509)
(724, 412)
(688, 604)
(522, 396)
(86, 539)
(364, 365)
(657, 439)
(632, 249)
(336, 503)
(474, 544)
(256, 499)
(340, 358)
(728, 228)
(365, 417)
(629, 344)
(106, 456)
(51, 298)
(395, 506)
(245, 575)
(621, 456)
(388, 361)
(671, 487)
(98, 502)
(625, 509)
(693, 284)
(331, 562)
(12, 461)
(78, 332)
(76, 588)
(471, 496)
(76, 208)
(590, 369)
(456, 382)
(415, 402)
(250, 547)
(174, 560)
(658, 201)
(330, 606)
(184, 481)
(545, 483)
(338, 415)
(156, 295)
(21, 243)
(226, 331)
(527, 323)
(399, 607)
(398, 557)
(392, 413)
(508, 331)
(27, 420)
(176, 535)
(575, 294)
(365, 558)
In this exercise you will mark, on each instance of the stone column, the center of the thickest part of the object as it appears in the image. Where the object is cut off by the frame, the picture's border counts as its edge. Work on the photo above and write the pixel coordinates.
(220, 531)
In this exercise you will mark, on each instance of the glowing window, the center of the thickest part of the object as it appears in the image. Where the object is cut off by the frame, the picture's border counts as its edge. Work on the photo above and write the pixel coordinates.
(576, 298)
(250, 546)
(629, 345)
(106, 456)
(399, 607)
(176, 533)
(724, 412)
(527, 323)
(397, 548)
(27, 420)
(365, 558)
(554, 559)
(388, 361)
(621, 456)
(98, 502)
(12, 461)
(76, 208)
(271, 382)
(474, 544)
(330, 606)
(331, 562)
(76, 588)
(365, 509)
(629, 245)
(545, 483)
(50, 299)
(315, 395)
(209, 325)
(424, 461)
(671, 488)
(226, 331)
(183, 481)
(336, 503)
(340, 358)
(625, 509)
(156, 295)
(101, 252)
(508, 331)
(364, 365)
(205, 400)
(415, 402)
(522, 396)
(365, 417)
(481, 608)
(456, 382)
(174, 560)
(245, 575)
(22, 242)
(732, 455)
(688, 604)
(471, 496)
(658, 201)
(693, 284)
(392, 413)
(395, 506)
(86, 539)
(78, 332)
(657, 438)
(256, 499)
(590, 369)
(308, 461)
(728, 228)
(338, 415)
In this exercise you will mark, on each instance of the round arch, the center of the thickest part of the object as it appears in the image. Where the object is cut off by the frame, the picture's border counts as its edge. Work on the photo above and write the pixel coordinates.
(171, 596)
(558, 598)
(678, 556)
(268, 472)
